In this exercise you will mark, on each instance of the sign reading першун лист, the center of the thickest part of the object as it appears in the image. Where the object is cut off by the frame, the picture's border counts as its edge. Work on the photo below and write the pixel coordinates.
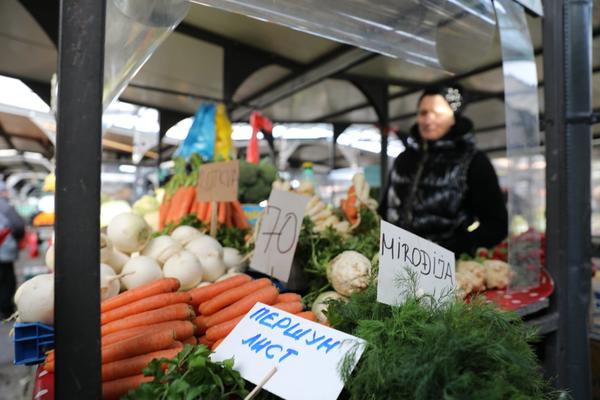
(307, 355)
(402, 253)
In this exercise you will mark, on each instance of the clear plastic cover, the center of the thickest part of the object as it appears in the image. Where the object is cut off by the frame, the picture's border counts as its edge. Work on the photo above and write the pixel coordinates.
(524, 179)
(443, 34)
(134, 29)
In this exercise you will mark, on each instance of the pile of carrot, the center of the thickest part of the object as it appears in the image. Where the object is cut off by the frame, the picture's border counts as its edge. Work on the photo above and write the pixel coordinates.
(221, 306)
(349, 206)
(180, 200)
(156, 321)
(229, 214)
(137, 326)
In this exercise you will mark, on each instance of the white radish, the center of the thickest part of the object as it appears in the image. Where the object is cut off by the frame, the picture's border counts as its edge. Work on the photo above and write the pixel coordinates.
(128, 232)
(161, 248)
(186, 268)
(205, 246)
(35, 299)
(321, 304)
(213, 267)
(109, 282)
(50, 258)
(139, 271)
(111, 256)
(233, 259)
(184, 234)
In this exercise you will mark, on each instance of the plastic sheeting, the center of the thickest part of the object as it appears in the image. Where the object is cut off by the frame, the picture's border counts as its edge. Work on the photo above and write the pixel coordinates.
(443, 34)
(134, 29)
(525, 180)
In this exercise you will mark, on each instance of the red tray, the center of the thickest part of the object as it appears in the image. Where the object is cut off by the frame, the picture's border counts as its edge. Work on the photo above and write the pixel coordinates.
(512, 300)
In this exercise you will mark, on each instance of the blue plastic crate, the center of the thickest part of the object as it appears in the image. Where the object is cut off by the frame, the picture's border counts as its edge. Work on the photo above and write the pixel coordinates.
(31, 341)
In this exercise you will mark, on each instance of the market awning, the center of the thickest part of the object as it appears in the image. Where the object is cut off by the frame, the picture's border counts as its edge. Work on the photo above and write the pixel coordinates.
(190, 67)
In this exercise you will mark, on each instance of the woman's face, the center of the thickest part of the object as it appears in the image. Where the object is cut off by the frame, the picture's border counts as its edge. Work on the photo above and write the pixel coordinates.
(435, 117)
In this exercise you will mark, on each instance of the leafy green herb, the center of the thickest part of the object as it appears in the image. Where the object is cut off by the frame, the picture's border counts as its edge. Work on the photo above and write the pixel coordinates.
(190, 375)
(429, 349)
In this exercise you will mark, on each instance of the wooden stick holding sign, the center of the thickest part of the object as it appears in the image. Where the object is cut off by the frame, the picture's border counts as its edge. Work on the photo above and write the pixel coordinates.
(260, 385)
(213, 218)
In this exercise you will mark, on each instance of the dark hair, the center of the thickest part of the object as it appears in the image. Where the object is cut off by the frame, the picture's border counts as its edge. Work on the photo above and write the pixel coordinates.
(453, 94)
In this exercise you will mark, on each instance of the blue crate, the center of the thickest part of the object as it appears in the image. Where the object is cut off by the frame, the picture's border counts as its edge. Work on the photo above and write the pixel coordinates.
(31, 341)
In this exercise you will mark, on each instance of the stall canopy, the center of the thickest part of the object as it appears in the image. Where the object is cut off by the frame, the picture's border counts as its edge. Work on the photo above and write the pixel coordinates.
(290, 76)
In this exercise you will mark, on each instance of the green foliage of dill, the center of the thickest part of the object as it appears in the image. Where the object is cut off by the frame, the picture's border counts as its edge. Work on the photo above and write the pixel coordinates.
(315, 250)
(428, 349)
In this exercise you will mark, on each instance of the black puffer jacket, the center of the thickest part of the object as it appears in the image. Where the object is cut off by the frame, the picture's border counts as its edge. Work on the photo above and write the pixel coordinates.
(437, 189)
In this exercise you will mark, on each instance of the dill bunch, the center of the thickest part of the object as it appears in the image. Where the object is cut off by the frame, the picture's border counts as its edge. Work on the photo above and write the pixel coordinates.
(428, 349)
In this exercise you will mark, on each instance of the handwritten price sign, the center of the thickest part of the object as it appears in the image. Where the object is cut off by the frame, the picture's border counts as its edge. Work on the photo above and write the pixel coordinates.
(278, 234)
(218, 181)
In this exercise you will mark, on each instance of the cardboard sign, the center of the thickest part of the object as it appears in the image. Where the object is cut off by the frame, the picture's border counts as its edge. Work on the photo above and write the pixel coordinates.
(278, 234)
(400, 252)
(218, 181)
(307, 355)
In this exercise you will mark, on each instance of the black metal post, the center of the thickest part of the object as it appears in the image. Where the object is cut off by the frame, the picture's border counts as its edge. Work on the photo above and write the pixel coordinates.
(78, 161)
(567, 28)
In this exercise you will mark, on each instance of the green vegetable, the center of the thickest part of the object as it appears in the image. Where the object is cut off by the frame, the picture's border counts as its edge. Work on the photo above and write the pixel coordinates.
(255, 181)
(315, 250)
(190, 375)
(427, 349)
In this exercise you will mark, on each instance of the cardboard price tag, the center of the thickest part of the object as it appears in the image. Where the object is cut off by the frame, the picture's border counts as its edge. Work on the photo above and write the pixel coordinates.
(278, 234)
(401, 251)
(307, 355)
(218, 181)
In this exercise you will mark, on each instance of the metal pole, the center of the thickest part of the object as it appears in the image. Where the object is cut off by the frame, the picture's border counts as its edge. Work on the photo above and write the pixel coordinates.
(567, 28)
(78, 161)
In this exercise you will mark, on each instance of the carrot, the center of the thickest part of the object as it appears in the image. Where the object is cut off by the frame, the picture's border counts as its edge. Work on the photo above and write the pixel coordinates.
(191, 340)
(221, 213)
(228, 215)
(309, 315)
(207, 212)
(176, 345)
(231, 296)
(164, 210)
(134, 365)
(240, 220)
(266, 295)
(183, 330)
(141, 344)
(168, 313)
(202, 294)
(146, 304)
(217, 343)
(113, 390)
(164, 285)
(291, 307)
(175, 205)
(288, 298)
(205, 341)
(201, 210)
(223, 329)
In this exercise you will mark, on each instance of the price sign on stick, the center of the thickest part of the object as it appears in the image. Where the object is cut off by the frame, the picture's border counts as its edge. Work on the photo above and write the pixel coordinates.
(218, 181)
(278, 234)
(306, 356)
(402, 253)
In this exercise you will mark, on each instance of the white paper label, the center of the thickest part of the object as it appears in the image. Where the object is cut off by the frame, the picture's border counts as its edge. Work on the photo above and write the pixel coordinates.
(307, 355)
(402, 253)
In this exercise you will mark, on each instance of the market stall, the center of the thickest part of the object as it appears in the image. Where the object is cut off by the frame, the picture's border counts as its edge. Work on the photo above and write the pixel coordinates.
(331, 244)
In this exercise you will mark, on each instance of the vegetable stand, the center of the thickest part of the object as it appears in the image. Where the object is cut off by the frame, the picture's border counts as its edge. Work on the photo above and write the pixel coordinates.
(567, 71)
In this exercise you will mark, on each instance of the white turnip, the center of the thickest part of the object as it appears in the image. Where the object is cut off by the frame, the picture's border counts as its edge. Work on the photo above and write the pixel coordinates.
(139, 271)
(161, 248)
(184, 234)
(128, 232)
(109, 282)
(35, 299)
(186, 268)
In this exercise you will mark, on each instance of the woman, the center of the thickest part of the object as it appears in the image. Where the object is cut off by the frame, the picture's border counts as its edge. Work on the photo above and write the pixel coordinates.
(441, 184)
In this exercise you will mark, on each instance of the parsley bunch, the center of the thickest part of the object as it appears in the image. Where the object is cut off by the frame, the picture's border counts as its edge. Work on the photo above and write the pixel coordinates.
(190, 375)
